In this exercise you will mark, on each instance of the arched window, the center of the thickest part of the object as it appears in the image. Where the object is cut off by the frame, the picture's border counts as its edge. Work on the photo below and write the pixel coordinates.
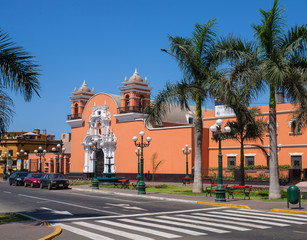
(75, 115)
(127, 103)
(141, 103)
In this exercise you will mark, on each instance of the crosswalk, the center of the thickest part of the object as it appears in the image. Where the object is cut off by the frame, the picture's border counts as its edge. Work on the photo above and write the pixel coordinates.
(182, 225)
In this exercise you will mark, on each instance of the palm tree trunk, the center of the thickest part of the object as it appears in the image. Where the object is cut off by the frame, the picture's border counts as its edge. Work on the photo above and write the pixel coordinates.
(274, 190)
(198, 136)
(242, 181)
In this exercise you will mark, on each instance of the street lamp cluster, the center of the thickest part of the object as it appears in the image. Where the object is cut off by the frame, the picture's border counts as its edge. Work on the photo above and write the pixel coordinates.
(141, 145)
(59, 152)
(22, 154)
(220, 189)
(41, 153)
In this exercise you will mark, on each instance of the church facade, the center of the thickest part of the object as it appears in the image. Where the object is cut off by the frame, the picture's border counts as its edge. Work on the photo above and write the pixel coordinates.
(109, 122)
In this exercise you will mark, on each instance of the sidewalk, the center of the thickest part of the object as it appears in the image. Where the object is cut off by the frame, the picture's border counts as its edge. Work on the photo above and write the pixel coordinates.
(38, 230)
(252, 204)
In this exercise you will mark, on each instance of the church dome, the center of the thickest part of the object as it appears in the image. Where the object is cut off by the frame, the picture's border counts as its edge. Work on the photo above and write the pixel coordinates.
(135, 77)
(84, 88)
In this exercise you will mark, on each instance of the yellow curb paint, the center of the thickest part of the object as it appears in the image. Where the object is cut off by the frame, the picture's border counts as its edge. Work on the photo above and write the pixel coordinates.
(57, 231)
(225, 205)
(288, 211)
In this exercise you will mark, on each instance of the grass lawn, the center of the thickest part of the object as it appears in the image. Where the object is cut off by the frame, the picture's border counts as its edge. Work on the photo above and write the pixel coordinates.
(256, 194)
(12, 217)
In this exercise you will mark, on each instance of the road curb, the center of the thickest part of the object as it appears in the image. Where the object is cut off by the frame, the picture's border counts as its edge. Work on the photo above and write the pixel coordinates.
(288, 211)
(57, 231)
(225, 205)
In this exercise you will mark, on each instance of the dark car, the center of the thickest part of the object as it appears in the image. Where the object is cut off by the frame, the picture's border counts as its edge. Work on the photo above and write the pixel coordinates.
(51, 180)
(17, 178)
(33, 179)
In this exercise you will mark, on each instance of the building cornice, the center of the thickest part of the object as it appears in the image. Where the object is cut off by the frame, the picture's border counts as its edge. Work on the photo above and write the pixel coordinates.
(75, 123)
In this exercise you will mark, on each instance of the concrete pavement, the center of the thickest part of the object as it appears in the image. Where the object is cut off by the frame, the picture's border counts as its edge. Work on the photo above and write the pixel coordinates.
(39, 230)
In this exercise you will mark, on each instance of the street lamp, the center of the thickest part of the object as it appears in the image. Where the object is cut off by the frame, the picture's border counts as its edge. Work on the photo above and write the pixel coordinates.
(220, 189)
(58, 151)
(141, 184)
(138, 153)
(94, 147)
(41, 153)
(187, 152)
(22, 154)
(5, 156)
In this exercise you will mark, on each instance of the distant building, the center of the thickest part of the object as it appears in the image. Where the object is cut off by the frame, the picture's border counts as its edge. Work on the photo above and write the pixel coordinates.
(12, 144)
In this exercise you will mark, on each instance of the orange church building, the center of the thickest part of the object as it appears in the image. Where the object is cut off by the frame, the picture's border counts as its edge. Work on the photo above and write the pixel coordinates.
(109, 122)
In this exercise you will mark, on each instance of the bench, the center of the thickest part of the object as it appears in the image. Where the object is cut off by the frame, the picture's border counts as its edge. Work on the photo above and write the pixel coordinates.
(121, 183)
(240, 189)
(126, 183)
(133, 183)
(212, 188)
(191, 180)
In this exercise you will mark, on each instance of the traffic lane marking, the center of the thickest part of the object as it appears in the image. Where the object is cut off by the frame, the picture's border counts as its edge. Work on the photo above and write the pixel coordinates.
(70, 204)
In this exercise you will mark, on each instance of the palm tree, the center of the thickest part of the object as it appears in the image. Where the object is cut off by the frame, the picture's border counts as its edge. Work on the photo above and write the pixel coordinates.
(279, 62)
(18, 73)
(283, 64)
(195, 59)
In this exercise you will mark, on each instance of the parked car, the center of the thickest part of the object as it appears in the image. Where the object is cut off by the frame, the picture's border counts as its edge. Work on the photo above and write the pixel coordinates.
(17, 178)
(33, 179)
(51, 180)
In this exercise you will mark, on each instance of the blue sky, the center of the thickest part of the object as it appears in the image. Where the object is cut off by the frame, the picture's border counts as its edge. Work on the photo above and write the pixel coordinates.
(103, 41)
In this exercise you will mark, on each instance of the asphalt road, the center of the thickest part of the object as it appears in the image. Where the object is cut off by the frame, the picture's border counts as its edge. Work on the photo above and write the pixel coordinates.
(85, 215)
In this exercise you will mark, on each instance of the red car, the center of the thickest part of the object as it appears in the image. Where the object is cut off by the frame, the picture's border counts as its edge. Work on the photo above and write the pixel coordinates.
(33, 179)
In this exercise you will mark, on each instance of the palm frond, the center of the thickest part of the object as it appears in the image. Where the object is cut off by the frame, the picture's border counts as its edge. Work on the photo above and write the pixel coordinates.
(6, 112)
(17, 68)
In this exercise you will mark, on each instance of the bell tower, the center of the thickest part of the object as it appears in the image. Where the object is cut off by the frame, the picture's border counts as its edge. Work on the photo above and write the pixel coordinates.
(79, 99)
(135, 94)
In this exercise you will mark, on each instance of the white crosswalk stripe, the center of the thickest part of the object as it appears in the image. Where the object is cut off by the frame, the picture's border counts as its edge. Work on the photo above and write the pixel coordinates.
(208, 219)
(179, 225)
(176, 229)
(139, 229)
(267, 215)
(84, 233)
(257, 217)
(183, 219)
(113, 231)
(241, 219)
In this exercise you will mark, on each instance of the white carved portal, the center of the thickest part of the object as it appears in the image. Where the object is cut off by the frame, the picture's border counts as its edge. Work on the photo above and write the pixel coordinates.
(101, 133)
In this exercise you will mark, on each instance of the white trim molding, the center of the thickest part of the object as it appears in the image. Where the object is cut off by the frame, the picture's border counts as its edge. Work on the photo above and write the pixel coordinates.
(296, 154)
(231, 155)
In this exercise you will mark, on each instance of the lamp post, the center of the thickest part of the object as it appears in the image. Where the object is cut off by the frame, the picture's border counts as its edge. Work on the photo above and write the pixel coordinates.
(22, 154)
(94, 147)
(142, 144)
(186, 153)
(41, 153)
(138, 153)
(5, 156)
(220, 189)
(59, 152)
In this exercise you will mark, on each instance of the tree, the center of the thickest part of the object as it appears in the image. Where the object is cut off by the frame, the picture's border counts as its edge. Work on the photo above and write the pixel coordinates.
(283, 64)
(280, 63)
(195, 59)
